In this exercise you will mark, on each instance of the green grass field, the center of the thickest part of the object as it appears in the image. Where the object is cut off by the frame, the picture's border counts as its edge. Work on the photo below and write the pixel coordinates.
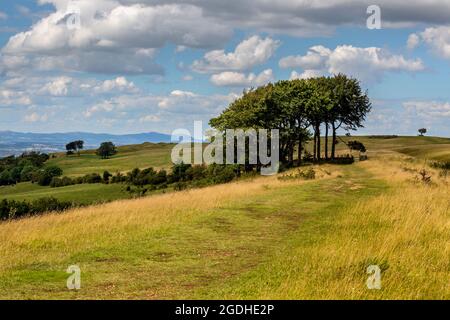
(261, 238)
(82, 193)
(128, 157)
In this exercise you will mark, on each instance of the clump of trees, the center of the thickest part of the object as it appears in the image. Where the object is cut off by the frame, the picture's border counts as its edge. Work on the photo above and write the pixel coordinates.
(106, 150)
(28, 166)
(74, 147)
(302, 110)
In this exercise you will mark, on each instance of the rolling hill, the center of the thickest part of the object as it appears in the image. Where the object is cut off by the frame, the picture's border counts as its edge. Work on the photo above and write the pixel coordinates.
(18, 142)
(158, 156)
(261, 238)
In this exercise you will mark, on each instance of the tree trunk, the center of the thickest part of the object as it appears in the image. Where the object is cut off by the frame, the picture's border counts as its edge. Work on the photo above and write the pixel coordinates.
(333, 145)
(291, 153)
(318, 142)
(299, 151)
(315, 145)
(326, 140)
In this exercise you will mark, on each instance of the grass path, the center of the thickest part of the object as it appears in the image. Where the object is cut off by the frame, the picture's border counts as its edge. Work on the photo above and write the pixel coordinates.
(193, 258)
(261, 239)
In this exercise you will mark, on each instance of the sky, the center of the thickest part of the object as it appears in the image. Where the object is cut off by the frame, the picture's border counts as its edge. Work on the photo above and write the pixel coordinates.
(126, 66)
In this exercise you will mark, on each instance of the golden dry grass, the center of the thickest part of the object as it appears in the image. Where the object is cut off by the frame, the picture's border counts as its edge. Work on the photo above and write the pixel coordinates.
(404, 228)
(55, 235)
(405, 231)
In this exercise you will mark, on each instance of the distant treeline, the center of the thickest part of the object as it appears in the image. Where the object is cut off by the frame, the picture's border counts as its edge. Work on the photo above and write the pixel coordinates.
(179, 174)
(12, 209)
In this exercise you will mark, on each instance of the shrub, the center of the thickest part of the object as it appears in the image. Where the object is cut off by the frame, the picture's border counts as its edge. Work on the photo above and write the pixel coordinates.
(92, 178)
(307, 174)
(348, 159)
(221, 173)
(26, 173)
(44, 177)
(441, 165)
(10, 209)
(196, 172)
(106, 176)
(179, 172)
(118, 178)
(6, 178)
(159, 178)
(48, 204)
(179, 186)
(61, 182)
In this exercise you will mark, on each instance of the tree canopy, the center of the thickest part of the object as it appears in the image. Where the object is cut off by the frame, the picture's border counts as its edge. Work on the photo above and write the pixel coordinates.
(296, 107)
(74, 146)
(106, 150)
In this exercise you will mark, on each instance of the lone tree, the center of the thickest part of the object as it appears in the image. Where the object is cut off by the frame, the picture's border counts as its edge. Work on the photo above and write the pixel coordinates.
(74, 146)
(422, 131)
(106, 150)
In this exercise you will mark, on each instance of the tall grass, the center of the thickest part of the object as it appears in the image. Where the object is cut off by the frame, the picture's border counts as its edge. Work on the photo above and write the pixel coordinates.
(404, 231)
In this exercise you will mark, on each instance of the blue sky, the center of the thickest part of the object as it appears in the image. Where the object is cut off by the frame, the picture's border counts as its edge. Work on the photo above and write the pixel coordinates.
(125, 66)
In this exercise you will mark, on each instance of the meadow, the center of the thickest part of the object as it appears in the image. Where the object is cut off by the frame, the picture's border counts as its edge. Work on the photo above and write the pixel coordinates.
(144, 155)
(158, 156)
(262, 238)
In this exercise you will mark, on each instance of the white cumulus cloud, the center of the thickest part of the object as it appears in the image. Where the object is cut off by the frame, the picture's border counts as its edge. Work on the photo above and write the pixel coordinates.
(237, 79)
(249, 53)
(366, 64)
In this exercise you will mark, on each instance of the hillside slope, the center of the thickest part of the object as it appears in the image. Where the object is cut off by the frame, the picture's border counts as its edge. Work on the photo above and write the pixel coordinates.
(261, 239)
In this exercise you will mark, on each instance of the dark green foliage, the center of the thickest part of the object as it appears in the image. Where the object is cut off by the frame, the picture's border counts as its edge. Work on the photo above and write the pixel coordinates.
(356, 145)
(422, 131)
(220, 173)
(61, 182)
(74, 146)
(45, 176)
(22, 168)
(118, 178)
(348, 159)
(196, 172)
(297, 106)
(6, 178)
(106, 150)
(179, 172)
(179, 186)
(106, 176)
(11, 209)
(441, 165)
(92, 178)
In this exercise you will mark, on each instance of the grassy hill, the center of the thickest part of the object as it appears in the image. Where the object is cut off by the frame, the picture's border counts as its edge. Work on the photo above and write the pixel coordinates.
(263, 238)
(128, 157)
(158, 156)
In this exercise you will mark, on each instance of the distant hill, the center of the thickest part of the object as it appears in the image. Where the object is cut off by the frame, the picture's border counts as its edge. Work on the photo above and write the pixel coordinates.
(18, 142)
